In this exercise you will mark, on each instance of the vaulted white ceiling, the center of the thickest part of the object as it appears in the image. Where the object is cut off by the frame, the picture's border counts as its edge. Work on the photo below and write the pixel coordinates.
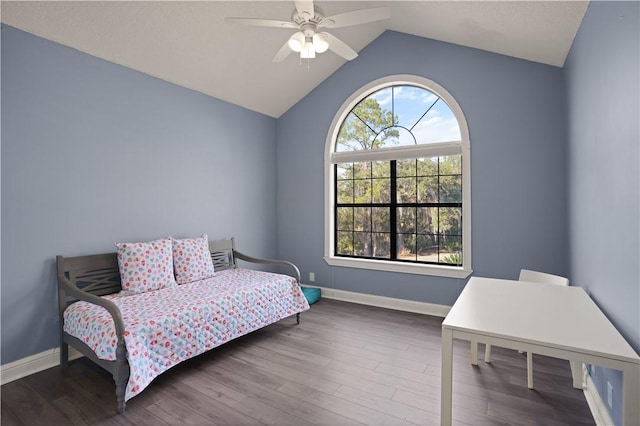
(189, 43)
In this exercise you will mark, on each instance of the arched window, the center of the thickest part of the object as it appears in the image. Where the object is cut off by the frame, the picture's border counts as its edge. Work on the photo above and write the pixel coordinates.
(397, 180)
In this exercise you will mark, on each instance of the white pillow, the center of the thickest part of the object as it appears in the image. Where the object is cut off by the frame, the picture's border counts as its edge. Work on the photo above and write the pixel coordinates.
(145, 266)
(192, 259)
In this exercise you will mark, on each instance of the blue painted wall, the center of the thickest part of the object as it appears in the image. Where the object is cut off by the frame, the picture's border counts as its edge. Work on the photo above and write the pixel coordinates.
(515, 111)
(603, 98)
(93, 153)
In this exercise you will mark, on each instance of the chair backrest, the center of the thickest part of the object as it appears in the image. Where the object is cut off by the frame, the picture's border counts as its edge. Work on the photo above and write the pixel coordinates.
(541, 277)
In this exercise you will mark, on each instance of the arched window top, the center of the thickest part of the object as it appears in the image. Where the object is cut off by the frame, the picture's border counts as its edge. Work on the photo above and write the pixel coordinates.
(397, 115)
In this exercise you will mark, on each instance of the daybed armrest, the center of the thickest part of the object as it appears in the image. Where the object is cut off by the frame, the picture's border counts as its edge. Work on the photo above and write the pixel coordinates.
(246, 258)
(86, 278)
(68, 287)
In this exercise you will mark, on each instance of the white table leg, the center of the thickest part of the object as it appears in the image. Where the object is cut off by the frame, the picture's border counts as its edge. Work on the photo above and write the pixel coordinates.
(530, 370)
(487, 352)
(631, 390)
(447, 377)
(576, 373)
(474, 352)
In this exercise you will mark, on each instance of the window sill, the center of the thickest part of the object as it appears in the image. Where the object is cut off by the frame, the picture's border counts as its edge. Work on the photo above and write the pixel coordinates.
(407, 268)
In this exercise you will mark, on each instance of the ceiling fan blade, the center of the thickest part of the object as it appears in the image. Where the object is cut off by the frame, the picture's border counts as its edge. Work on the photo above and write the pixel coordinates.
(284, 51)
(340, 47)
(305, 9)
(356, 17)
(256, 22)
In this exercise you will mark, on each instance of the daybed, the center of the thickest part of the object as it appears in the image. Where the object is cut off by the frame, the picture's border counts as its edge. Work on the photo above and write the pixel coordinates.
(137, 336)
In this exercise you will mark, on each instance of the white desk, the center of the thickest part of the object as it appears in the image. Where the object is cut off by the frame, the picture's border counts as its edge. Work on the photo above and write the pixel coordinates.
(557, 321)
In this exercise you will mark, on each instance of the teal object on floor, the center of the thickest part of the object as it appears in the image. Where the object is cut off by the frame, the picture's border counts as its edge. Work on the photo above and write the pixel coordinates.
(312, 294)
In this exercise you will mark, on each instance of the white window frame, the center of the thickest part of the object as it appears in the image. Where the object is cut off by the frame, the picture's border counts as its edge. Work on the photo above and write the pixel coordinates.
(435, 149)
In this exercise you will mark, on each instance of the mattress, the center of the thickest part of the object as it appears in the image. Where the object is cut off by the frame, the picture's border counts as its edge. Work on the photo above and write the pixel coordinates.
(167, 326)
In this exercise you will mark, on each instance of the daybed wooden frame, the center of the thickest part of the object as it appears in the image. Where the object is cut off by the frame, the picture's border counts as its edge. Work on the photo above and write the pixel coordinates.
(90, 277)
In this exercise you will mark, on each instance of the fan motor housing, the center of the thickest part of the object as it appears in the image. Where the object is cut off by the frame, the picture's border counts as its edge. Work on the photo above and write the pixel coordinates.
(303, 19)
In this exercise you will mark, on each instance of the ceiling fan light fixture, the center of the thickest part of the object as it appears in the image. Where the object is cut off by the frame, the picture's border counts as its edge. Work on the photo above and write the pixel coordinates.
(308, 19)
(320, 42)
(308, 51)
(296, 42)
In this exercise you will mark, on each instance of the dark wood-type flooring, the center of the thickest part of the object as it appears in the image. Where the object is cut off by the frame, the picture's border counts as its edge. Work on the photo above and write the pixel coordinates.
(345, 364)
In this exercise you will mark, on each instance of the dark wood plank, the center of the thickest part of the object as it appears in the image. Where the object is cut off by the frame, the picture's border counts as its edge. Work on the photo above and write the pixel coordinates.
(7, 416)
(341, 406)
(345, 364)
(30, 407)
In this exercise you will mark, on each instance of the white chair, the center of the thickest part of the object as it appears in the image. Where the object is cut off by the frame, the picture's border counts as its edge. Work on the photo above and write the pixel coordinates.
(541, 277)
(537, 277)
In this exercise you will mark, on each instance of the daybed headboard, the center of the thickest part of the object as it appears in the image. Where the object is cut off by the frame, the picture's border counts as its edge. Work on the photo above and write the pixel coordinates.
(222, 254)
(98, 274)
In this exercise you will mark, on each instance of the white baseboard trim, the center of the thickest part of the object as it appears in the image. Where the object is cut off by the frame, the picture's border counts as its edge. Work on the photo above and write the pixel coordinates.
(596, 404)
(33, 364)
(385, 302)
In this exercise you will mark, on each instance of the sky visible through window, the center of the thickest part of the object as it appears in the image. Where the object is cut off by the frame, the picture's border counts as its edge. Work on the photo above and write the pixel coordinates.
(408, 104)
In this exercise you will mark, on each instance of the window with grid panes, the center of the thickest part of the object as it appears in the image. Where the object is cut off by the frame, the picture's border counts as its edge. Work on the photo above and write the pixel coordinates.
(397, 169)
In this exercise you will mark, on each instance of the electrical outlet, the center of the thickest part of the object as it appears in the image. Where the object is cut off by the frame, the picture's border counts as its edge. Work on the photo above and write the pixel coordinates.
(312, 277)
(610, 395)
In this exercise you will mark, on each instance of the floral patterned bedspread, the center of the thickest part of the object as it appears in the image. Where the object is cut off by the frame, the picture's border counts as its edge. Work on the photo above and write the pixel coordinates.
(167, 326)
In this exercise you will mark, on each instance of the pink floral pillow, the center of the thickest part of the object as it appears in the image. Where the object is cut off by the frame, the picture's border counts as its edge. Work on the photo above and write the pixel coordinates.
(145, 266)
(192, 259)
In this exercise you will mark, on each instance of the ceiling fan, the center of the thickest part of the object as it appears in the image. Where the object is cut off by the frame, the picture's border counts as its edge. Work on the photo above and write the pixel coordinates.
(308, 19)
